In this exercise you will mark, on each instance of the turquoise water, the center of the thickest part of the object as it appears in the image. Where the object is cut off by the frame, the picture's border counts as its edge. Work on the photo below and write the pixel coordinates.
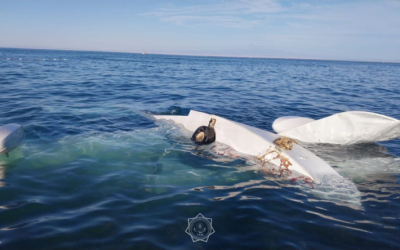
(97, 172)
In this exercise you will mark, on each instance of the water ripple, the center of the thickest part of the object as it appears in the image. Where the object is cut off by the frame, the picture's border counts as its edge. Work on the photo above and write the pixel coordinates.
(97, 172)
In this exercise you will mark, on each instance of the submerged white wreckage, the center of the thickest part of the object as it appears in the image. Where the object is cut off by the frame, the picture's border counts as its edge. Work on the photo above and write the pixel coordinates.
(268, 147)
(11, 136)
(282, 155)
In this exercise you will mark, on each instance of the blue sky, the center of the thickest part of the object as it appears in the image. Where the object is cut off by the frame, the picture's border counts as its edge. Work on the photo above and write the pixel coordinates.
(344, 30)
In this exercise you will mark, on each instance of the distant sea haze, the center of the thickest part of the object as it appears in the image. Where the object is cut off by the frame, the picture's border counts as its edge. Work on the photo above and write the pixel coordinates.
(267, 54)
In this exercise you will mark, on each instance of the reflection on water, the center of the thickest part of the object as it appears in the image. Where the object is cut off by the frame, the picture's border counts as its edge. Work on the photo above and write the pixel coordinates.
(2, 175)
(359, 162)
(349, 152)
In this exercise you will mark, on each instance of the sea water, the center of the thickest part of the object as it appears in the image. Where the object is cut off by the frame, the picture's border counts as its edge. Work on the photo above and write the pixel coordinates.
(96, 170)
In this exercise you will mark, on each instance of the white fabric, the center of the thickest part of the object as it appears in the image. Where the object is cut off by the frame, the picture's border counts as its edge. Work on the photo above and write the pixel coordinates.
(347, 128)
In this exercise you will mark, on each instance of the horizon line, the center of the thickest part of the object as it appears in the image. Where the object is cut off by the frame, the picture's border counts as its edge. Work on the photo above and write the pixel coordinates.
(222, 56)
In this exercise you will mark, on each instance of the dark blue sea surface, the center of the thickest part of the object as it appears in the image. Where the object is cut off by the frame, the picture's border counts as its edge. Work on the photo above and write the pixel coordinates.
(97, 172)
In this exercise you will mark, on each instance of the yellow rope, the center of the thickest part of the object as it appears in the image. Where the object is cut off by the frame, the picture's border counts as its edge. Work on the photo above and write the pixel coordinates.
(285, 143)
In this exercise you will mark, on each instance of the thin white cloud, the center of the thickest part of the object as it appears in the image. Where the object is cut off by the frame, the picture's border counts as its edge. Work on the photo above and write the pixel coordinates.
(226, 21)
(355, 16)
(260, 6)
(235, 14)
